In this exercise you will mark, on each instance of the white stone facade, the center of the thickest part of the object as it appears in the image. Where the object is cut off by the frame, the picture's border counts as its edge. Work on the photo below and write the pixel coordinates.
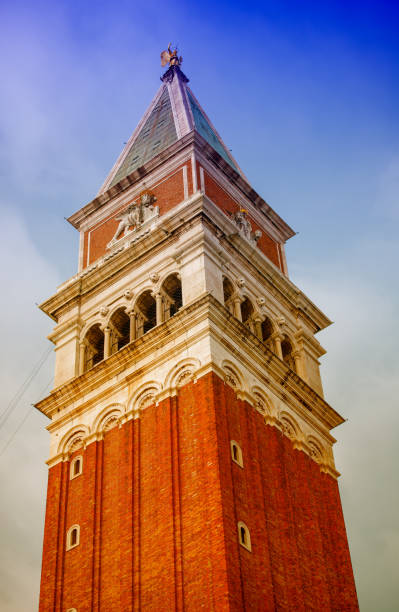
(200, 244)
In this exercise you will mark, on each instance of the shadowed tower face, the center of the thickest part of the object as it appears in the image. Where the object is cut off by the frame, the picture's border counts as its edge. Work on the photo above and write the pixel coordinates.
(191, 464)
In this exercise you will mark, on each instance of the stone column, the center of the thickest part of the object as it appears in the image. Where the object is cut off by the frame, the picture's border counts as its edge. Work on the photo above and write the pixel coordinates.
(132, 326)
(82, 353)
(107, 342)
(258, 328)
(298, 363)
(237, 308)
(277, 345)
(158, 302)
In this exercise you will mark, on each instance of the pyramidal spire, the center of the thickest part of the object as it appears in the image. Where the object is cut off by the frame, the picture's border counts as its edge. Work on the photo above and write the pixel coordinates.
(173, 113)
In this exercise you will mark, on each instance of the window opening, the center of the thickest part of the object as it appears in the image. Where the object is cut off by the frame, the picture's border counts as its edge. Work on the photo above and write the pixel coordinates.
(94, 351)
(228, 291)
(247, 311)
(120, 326)
(286, 349)
(73, 537)
(173, 298)
(236, 453)
(244, 537)
(146, 308)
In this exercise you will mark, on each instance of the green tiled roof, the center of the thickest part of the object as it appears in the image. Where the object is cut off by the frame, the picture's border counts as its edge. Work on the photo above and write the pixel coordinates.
(202, 126)
(157, 133)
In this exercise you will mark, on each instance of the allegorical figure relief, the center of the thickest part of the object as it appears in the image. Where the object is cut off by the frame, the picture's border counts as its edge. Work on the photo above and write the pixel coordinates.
(244, 226)
(134, 215)
(240, 218)
(129, 218)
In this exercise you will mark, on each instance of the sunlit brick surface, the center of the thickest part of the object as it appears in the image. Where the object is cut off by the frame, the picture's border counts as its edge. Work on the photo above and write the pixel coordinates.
(158, 504)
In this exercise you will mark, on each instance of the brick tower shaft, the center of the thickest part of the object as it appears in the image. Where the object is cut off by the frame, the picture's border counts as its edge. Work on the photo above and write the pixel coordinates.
(191, 462)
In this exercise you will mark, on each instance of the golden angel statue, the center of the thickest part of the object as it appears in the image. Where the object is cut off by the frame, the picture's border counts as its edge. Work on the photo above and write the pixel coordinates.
(170, 56)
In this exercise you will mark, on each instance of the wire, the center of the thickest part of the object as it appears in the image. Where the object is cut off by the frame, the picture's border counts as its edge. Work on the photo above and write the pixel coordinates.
(21, 423)
(14, 401)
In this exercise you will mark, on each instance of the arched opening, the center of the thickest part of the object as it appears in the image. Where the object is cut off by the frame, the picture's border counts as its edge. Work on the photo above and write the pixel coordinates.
(244, 536)
(287, 350)
(247, 311)
(228, 291)
(172, 296)
(73, 537)
(267, 332)
(146, 313)
(76, 467)
(120, 330)
(236, 453)
(94, 350)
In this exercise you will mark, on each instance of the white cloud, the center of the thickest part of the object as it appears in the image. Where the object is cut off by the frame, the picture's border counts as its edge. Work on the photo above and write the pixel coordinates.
(360, 375)
(23, 473)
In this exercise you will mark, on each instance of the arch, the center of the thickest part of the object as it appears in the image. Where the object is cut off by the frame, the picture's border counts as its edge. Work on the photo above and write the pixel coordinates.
(94, 346)
(268, 329)
(144, 396)
(113, 411)
(287, 349)
(73, 439)
(236, 453)
(228, 293)
(73, 537)
(181, 372)
(244, 537)
(146, 311)
(316, 450)
(289, 426)
(247, 312)
(172, 295)
(232, 376)
(76, 467)
(119, 322)
(261, 401)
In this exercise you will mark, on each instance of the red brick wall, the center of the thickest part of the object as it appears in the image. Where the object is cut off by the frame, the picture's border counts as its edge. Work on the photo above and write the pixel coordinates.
(169, 193)
(221, 198)
(300, 558)
(158, 504)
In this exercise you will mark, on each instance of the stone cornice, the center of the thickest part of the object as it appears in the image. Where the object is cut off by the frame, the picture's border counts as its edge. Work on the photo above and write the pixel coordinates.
(222, 326)
(164, 232)
(194, 143)
(266, 268)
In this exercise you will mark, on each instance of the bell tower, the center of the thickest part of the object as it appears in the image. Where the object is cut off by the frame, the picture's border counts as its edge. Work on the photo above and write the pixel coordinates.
(191, 464)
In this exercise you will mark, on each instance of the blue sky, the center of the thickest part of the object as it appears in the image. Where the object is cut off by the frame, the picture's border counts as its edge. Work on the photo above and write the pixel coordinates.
(306, 96)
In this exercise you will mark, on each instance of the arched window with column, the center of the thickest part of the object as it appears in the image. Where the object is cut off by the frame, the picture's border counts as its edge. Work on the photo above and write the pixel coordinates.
(247, 311)
(267, 333)
(287, 351)
(146, 313)
(228, 291)
(93, 347)
(171, 296)
(120, 329)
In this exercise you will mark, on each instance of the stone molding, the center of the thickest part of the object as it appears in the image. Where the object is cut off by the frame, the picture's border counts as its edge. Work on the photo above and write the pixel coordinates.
(106, 267)
(151, 393)
(73, 400)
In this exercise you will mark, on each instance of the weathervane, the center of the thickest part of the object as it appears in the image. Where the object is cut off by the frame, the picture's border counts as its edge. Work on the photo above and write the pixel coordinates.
(170, 56)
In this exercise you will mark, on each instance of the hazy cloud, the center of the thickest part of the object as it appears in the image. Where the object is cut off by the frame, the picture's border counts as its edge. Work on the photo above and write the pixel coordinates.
(25, 276)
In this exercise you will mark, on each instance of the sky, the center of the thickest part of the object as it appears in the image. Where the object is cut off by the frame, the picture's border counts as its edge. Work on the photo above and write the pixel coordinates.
(306, 96)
